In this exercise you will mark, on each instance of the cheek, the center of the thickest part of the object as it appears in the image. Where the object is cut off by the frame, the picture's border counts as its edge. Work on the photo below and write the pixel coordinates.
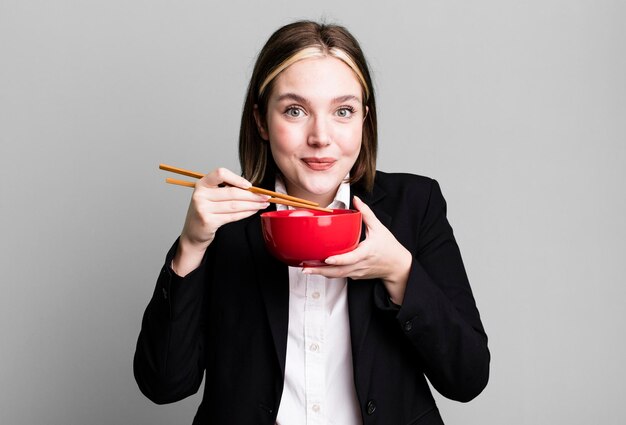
(284, 133)
(282, 143)
(283, 136)
(351, 138)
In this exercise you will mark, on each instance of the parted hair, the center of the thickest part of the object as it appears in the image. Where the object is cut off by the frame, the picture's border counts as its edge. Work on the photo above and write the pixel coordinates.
(289, 44)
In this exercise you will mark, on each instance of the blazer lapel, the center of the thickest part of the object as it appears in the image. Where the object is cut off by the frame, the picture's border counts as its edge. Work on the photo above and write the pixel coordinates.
(274, 286)
(361, 292)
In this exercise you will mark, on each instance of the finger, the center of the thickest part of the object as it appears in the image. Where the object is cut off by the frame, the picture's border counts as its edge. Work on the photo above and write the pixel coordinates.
(369, 218)
(224, 175)
(229, 218)
(218, 194)
(330, 271)
(352, 257)
(231, 207)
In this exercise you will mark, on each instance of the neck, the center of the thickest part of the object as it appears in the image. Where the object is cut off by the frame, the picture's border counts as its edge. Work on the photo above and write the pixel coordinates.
(323, 199)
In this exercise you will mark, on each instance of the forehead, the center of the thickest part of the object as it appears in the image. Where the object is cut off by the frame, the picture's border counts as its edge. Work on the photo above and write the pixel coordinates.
(318, 77)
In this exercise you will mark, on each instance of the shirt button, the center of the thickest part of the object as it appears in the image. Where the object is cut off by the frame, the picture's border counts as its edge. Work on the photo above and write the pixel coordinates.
(371, 407)
(314, 347)
(315, 295)
(316, 408)
(408, 325)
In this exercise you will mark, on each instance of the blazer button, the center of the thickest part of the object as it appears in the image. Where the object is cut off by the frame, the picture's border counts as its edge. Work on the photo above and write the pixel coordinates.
(371, 407)
(164, 293)
(408, 325)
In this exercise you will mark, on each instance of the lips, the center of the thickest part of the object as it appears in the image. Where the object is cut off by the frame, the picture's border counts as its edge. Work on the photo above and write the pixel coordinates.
(319, 164)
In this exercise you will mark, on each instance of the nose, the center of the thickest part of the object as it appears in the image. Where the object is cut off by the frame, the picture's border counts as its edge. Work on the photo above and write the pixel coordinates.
(319, 133)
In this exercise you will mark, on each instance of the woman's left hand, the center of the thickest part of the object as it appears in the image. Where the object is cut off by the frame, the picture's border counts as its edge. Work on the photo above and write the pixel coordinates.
(380, 255)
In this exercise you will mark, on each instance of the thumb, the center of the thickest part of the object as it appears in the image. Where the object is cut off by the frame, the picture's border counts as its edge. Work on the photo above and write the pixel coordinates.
(369, 218)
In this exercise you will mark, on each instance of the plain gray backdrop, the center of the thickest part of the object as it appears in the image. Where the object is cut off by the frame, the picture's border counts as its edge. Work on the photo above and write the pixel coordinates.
(517, 108)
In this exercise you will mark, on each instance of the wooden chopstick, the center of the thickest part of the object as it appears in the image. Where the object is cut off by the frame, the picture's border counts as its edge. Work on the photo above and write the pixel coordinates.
(253, 189)
(278, 195)
(277, 198)
(298, 204)
(181, 171)
(273, 200)
(180, 182)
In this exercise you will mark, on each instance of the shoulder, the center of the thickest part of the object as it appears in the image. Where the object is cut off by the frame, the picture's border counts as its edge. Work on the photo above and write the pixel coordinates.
(383, 178)
(410, 193)
(403, 185)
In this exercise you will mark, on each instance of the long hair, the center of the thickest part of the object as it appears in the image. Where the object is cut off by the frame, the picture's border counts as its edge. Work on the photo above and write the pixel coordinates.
(289, 44)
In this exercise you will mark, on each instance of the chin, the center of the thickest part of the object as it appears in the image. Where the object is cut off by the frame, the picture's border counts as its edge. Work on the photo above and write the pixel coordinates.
(322, 189)
(318, 184)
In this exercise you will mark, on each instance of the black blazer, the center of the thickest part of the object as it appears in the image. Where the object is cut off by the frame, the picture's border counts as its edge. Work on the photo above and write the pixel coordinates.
(227, 321)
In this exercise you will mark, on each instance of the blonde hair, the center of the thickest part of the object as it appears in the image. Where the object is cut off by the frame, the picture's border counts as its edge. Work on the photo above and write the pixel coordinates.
(316, 52)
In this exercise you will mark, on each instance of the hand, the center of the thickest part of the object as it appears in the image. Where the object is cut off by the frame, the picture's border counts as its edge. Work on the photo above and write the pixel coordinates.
(380, 255)
(211, 207)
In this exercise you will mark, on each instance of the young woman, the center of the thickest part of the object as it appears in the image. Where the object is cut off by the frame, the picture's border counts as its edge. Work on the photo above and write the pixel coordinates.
(348, 343)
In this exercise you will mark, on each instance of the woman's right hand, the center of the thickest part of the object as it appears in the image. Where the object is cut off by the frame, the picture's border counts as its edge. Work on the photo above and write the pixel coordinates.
(212, 206)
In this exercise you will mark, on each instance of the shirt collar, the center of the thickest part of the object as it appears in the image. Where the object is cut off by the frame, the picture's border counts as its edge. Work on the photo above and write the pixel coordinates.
(341, 201)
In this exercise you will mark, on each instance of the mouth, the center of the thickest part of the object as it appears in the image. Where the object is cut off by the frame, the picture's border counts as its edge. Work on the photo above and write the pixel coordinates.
(319, 164)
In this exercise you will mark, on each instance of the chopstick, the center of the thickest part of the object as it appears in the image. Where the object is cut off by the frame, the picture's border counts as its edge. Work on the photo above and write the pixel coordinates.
(253, 189)
(180, 182)
(277, 198)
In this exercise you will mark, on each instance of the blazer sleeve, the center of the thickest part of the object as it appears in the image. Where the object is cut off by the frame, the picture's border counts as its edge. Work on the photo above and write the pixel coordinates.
(168, 363)
(438, 314)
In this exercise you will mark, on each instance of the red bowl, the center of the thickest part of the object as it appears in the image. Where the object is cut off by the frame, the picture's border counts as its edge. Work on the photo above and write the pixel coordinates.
(307, 237)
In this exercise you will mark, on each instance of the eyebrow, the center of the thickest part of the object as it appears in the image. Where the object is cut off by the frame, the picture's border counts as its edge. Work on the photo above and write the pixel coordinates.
(300, 99)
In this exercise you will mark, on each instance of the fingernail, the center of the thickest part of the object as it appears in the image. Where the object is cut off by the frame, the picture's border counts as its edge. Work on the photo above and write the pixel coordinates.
(306, 271)
(264, 205)
(330, 261)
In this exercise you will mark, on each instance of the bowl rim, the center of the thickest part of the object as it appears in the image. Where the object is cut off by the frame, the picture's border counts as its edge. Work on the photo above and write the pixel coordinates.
(316, 214)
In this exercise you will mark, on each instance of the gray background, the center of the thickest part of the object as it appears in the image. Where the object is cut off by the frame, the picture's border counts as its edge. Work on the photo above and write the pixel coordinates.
(517, 108)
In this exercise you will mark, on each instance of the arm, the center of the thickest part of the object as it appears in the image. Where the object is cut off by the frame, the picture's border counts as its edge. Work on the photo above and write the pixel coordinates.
(424, 283)
(438, 313)
(169, 359)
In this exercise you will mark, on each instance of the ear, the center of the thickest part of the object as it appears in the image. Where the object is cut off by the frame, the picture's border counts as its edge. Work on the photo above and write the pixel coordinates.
(260, 124)
(367, 109)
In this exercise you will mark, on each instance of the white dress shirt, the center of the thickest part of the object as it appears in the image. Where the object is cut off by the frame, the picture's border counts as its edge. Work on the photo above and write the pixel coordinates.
(319, 382)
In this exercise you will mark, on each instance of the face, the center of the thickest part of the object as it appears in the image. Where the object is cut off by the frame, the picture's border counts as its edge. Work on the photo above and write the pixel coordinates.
(314, 125)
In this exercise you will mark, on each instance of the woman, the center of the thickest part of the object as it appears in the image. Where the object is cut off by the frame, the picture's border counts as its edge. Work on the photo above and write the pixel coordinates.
(348, 343)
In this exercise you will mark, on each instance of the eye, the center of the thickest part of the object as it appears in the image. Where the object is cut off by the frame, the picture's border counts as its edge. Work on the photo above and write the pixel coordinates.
(294, 112)
(345, 112)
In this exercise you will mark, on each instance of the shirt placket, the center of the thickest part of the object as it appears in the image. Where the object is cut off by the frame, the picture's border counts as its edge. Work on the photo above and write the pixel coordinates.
(315, 350)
